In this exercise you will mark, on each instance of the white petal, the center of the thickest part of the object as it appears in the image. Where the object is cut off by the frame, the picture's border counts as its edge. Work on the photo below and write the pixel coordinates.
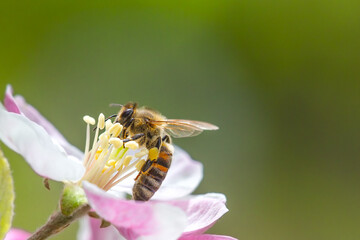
(34, 115)
(36, 146)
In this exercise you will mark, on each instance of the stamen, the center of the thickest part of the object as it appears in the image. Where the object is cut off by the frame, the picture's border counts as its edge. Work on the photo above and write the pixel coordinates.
(108, 186)
(116, 151)
(132, 145)
(108, 125)
(128, 167)
(141, 153)
(101, 121)
(116, 142)
(98, 152)
(115, 129)
(127, 160)
(140, 164)
(89, 120)
(100, 126)
(104, 140)
(94, 154)
(104, 159)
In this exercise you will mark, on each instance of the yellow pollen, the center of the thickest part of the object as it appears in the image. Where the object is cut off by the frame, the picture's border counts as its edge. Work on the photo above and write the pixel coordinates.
(115, 129)
(101, 121)
(132, 145)
(116, 142)
(89, 120)
(127, 160)
(140, 164)
(98, 152)
(111, 162)
(153, 153)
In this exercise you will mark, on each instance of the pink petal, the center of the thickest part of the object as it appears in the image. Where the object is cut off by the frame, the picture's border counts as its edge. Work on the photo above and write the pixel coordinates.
(37, 147)
(183, 177)
(17, 234)
(207, 237)
(90, 230)
(202, 211)
(9, 101)
(149, 220)
(18, 104)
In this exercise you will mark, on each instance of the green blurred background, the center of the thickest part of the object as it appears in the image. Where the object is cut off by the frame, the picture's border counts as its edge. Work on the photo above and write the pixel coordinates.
(280, 78)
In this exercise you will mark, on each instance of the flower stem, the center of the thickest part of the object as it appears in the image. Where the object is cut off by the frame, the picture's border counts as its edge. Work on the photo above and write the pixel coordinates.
(58, 222)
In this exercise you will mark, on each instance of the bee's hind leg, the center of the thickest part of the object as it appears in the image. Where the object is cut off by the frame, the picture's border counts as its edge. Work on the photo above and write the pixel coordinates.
(154, 149)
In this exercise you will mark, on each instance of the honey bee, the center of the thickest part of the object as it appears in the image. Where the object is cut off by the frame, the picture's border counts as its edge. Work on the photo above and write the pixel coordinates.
(152, 130)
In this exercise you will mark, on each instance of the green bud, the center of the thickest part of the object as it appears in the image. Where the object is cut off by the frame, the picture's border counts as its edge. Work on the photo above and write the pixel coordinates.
(72, 198)
(6, 196)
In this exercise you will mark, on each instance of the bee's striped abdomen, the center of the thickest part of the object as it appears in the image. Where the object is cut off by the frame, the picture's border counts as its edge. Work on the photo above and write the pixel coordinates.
(152, 175)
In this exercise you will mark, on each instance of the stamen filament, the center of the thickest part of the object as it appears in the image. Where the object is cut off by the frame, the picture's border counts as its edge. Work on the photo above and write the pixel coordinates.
(107, 187)
(87, 143)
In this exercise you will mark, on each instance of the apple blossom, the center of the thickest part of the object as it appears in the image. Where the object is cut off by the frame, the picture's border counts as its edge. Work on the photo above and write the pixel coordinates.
(102, 175)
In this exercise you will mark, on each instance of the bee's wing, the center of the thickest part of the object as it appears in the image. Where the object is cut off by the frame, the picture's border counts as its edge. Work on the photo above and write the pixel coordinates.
(179, 128)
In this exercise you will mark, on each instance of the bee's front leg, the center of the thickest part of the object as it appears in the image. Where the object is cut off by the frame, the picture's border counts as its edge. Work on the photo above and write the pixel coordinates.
(124, 134)
(136, 137)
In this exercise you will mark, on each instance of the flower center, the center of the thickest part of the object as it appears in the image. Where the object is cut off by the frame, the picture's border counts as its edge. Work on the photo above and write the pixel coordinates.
(108, 162)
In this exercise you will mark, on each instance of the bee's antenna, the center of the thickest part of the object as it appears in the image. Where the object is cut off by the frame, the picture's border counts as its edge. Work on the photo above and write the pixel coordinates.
(115, 105)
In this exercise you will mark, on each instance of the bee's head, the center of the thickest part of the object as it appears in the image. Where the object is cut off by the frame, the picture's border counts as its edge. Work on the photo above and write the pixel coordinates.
(126, 113)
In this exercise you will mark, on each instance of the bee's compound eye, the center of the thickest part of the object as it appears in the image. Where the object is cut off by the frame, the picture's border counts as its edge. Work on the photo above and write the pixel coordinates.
(127, 113)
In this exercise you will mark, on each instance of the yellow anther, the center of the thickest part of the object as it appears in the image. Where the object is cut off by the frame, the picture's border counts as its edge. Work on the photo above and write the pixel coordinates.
(153, 153)
(111, 162)
(108, 125)
(116, 142)
(101, 121)
(115, 129)
(127, 160)
(141, 153)
(132, 145)
(140, 164)
(89, 120)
